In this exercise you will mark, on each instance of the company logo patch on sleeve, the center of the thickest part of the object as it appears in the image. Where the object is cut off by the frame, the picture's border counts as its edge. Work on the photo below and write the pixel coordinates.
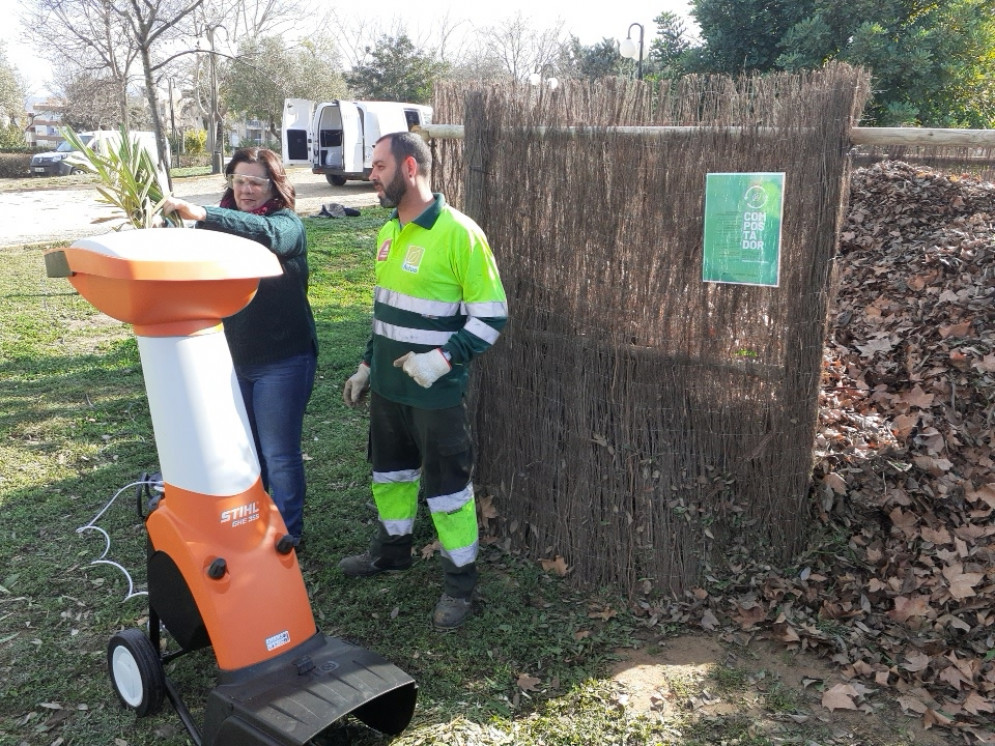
(384, 251)
(412, 260)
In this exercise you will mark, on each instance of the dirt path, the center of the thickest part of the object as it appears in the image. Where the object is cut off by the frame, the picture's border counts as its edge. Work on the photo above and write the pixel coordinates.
(779, 691)
(60, 213)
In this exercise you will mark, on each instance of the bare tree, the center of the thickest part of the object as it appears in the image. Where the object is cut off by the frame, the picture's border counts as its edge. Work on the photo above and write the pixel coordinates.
(521, 47)
(92, 42)
(448, 37)
(148, 23)
(91, 101)
(356, 34)
(104, 39)
(224, 24)
(254, 18)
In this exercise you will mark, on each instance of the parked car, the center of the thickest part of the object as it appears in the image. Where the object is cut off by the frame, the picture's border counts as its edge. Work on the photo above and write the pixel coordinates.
(53, 163)
(64, 160)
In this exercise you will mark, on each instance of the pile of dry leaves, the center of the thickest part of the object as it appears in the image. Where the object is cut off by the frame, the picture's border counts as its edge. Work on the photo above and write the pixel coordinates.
(900, 591)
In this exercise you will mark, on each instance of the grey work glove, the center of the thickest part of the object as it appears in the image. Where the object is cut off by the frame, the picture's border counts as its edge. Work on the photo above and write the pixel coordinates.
(357, 385)
(425, 367)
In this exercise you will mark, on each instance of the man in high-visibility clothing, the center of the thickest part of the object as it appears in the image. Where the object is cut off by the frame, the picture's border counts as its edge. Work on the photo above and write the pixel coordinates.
(438, 304)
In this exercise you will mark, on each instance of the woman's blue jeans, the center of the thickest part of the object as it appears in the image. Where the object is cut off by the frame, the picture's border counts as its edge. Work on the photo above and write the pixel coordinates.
(276, 395)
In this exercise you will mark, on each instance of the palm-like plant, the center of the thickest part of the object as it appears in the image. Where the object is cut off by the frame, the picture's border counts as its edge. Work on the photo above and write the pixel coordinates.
(129, 180)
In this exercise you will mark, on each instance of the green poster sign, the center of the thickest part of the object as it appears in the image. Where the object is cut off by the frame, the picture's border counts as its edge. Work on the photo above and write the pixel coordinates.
(743, 228)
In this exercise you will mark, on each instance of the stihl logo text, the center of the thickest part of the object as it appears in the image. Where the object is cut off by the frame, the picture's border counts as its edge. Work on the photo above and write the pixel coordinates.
(241, 514)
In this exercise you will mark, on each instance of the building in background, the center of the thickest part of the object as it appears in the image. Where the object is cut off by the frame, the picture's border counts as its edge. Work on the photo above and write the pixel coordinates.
(44, 121)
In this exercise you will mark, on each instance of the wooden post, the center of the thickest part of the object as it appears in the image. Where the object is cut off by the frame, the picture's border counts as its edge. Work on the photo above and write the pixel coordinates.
(476, 161)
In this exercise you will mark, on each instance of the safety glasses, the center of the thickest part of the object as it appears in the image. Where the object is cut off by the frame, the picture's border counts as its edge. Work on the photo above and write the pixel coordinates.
(243, 180)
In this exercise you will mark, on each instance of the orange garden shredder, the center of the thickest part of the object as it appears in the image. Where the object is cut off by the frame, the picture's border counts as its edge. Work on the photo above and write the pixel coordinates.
(222, 570)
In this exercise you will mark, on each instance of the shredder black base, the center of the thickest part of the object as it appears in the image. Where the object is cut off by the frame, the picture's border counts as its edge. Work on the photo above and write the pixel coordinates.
(289, 700)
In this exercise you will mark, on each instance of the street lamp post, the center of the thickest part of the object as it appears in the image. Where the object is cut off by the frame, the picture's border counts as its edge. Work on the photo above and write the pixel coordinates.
(628, 48)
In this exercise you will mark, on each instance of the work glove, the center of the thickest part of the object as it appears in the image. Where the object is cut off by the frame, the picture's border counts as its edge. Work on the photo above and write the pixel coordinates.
(425, 367)
(357, 385)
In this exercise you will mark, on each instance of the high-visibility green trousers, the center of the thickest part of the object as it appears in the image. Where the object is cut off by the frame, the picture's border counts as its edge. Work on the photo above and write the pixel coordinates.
(430, 450)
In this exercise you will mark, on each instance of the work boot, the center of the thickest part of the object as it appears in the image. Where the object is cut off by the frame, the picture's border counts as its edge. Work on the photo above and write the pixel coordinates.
(365, 565)
(451, 612)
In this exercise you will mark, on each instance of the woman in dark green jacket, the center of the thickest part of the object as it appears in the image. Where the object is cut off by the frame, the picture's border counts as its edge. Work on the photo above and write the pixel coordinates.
(273, 342)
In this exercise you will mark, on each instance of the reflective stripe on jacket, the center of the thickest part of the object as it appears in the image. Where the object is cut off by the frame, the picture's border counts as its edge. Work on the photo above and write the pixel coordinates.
(437, 285)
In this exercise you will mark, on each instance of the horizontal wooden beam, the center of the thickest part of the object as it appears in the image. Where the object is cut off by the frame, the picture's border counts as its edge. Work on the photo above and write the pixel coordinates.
(922, 136)
(858, 135)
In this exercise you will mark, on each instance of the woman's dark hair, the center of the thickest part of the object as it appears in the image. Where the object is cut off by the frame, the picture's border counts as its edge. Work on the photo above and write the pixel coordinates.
(282, 189)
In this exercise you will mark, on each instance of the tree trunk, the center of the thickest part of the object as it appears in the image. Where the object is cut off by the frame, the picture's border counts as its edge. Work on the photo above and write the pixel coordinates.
(123, 103)
(160, 135)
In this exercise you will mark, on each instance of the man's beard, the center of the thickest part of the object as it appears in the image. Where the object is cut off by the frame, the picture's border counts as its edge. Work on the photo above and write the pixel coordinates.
(393, 192)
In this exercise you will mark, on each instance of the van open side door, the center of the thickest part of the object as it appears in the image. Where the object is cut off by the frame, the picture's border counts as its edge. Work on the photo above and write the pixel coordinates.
(353, 136)
(298, 138)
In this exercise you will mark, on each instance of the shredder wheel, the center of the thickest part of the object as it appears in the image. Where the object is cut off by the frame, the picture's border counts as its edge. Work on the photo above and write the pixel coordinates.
(136, 672)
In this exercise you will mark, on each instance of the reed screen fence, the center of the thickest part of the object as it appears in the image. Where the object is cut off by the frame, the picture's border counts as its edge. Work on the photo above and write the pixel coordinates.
(640, 423)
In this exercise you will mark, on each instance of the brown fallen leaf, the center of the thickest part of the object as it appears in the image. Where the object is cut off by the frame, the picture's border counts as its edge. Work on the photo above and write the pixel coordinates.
(934, 717)
(984, 494)
(906, 521)
(915, 662)
(557, 565)
(839, 697)
(976, 704)
(910, 703)
(835, 482)
(962, 583)
(749, 616)
(429, 549)
(986, 364)
(918, 398)
(603, 614)
(708, 620)
(959, 360)
(953, 676)
(527, 682)
(485, 506)
(955, 330)
(907, 608)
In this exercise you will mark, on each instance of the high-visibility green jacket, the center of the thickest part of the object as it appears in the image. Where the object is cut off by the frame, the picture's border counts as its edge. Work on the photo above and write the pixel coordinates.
(437, 285)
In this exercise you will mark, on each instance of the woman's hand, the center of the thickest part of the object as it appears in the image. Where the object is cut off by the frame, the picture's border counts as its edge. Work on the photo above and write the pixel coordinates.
(186, 210)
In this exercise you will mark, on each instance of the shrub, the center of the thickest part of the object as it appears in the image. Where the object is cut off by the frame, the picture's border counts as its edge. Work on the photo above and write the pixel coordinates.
(12, 136)
(194, 141)
(15, 165)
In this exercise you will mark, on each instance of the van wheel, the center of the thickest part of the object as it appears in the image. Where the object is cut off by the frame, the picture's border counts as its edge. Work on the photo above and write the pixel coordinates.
(335, 180)
(77, 171)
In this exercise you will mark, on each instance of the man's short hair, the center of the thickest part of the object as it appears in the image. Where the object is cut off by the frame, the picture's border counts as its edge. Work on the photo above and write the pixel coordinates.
(408, 144)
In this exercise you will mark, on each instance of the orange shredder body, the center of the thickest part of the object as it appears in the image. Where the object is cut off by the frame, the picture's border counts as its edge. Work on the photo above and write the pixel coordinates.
(222, 570)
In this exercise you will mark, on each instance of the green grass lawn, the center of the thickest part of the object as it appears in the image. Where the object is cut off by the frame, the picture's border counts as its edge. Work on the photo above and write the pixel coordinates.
(76, 430)
(529, 669)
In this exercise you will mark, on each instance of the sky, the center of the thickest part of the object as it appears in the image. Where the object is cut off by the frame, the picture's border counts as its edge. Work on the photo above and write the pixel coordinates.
(590, 25)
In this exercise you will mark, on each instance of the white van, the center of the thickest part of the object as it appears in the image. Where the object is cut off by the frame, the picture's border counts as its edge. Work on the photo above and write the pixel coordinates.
(336, 138)
(64, 160)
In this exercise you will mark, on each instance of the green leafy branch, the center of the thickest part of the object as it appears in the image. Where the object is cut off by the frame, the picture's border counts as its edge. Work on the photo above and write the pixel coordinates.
(129, 180)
